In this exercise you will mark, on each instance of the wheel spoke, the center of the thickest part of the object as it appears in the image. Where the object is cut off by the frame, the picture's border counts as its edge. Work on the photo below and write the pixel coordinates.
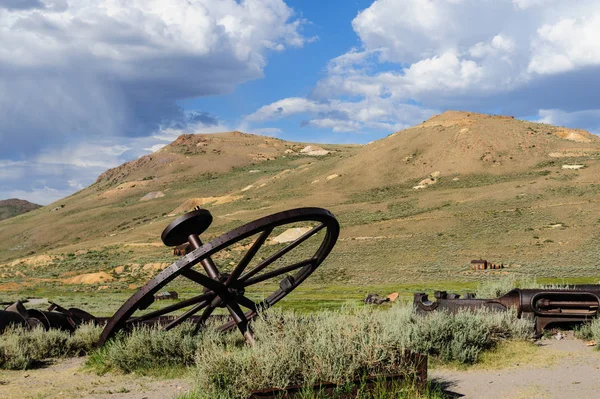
(247, 303)
(275, 273)
(237, 314)
(205, 315)
(171, 308)
(281, 252)
(203, 280)
(186, 315)
(248, 257)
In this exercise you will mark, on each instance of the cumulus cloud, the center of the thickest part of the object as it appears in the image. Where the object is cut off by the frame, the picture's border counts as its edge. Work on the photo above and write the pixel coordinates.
(114, 68)
(344, 116)
(516, 56)
(78, 75)
(585, 119)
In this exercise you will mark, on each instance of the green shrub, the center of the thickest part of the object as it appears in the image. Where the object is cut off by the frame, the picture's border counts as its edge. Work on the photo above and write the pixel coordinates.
(344, 346)
(589, 331)
(148, 348)
(22, 349)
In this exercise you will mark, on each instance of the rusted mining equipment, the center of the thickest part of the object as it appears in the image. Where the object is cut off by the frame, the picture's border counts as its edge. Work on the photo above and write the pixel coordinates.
(231, 289)
(56, 317)
(549, 307)
(220, 289)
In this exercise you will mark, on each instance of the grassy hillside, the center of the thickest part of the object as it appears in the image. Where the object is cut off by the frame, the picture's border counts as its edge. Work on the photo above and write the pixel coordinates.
(13, 207)
(492, 187)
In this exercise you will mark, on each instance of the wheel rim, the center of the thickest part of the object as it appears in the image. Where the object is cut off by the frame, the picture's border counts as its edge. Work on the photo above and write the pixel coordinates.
(228, 290)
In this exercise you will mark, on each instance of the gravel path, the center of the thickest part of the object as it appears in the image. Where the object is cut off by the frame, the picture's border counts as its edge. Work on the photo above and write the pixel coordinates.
(574, 374)
(66, 379)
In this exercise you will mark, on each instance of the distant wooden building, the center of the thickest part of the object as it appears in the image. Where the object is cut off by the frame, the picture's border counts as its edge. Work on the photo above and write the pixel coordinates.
(481, 264)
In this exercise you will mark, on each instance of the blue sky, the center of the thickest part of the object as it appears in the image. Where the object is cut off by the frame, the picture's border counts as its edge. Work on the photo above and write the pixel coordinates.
(88, 84)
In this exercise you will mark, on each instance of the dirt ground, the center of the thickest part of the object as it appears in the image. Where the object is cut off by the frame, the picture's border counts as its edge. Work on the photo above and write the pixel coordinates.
(67, 379)
(573, 373)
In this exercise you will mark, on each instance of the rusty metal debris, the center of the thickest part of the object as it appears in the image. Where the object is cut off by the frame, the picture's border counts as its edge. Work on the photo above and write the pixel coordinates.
(56, 317)
(549, 307)
(161, 296)
(227, 290)
(217, 289)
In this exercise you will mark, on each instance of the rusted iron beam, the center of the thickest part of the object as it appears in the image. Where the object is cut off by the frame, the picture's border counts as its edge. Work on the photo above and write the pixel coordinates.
(575, 304)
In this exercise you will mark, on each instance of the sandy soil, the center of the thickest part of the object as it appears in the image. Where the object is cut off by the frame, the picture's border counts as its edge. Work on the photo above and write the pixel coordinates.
(67, 379)
(574, 374)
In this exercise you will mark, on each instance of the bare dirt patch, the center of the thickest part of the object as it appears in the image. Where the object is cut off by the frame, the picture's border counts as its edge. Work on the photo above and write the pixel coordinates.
(10, 286)
(89, 278)
(39, 260)
(67, 379)
(567, 369)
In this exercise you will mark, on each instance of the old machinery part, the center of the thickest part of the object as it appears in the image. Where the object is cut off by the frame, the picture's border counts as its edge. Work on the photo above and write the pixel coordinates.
(229, 290)
(576, 304)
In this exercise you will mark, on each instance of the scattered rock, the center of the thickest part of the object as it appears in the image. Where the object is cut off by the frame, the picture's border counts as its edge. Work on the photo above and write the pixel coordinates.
(559, 336)
(432, 179)
(152, 195)
(247, 187)
(314, 151)
(314, 181)
(254, 171)
(573, 167)
(578, 135)
(166, 295)
(119, 269)
(375, 299)
(333, 176)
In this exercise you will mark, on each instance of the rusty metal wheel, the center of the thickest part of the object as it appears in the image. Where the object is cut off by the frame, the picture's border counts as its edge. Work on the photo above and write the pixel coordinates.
(229, 288)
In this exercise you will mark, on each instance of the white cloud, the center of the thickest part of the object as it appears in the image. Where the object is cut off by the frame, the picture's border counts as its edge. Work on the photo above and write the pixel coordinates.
(511, 55)
(568, 44)
(96, 68)
(345, 116)
(588, 119)
(88, 84)
(283, 108)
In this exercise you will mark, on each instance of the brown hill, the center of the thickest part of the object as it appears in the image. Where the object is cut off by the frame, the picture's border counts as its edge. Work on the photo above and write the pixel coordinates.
(212, 153)
(461, 143)
(414, 206)
(13, 207)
